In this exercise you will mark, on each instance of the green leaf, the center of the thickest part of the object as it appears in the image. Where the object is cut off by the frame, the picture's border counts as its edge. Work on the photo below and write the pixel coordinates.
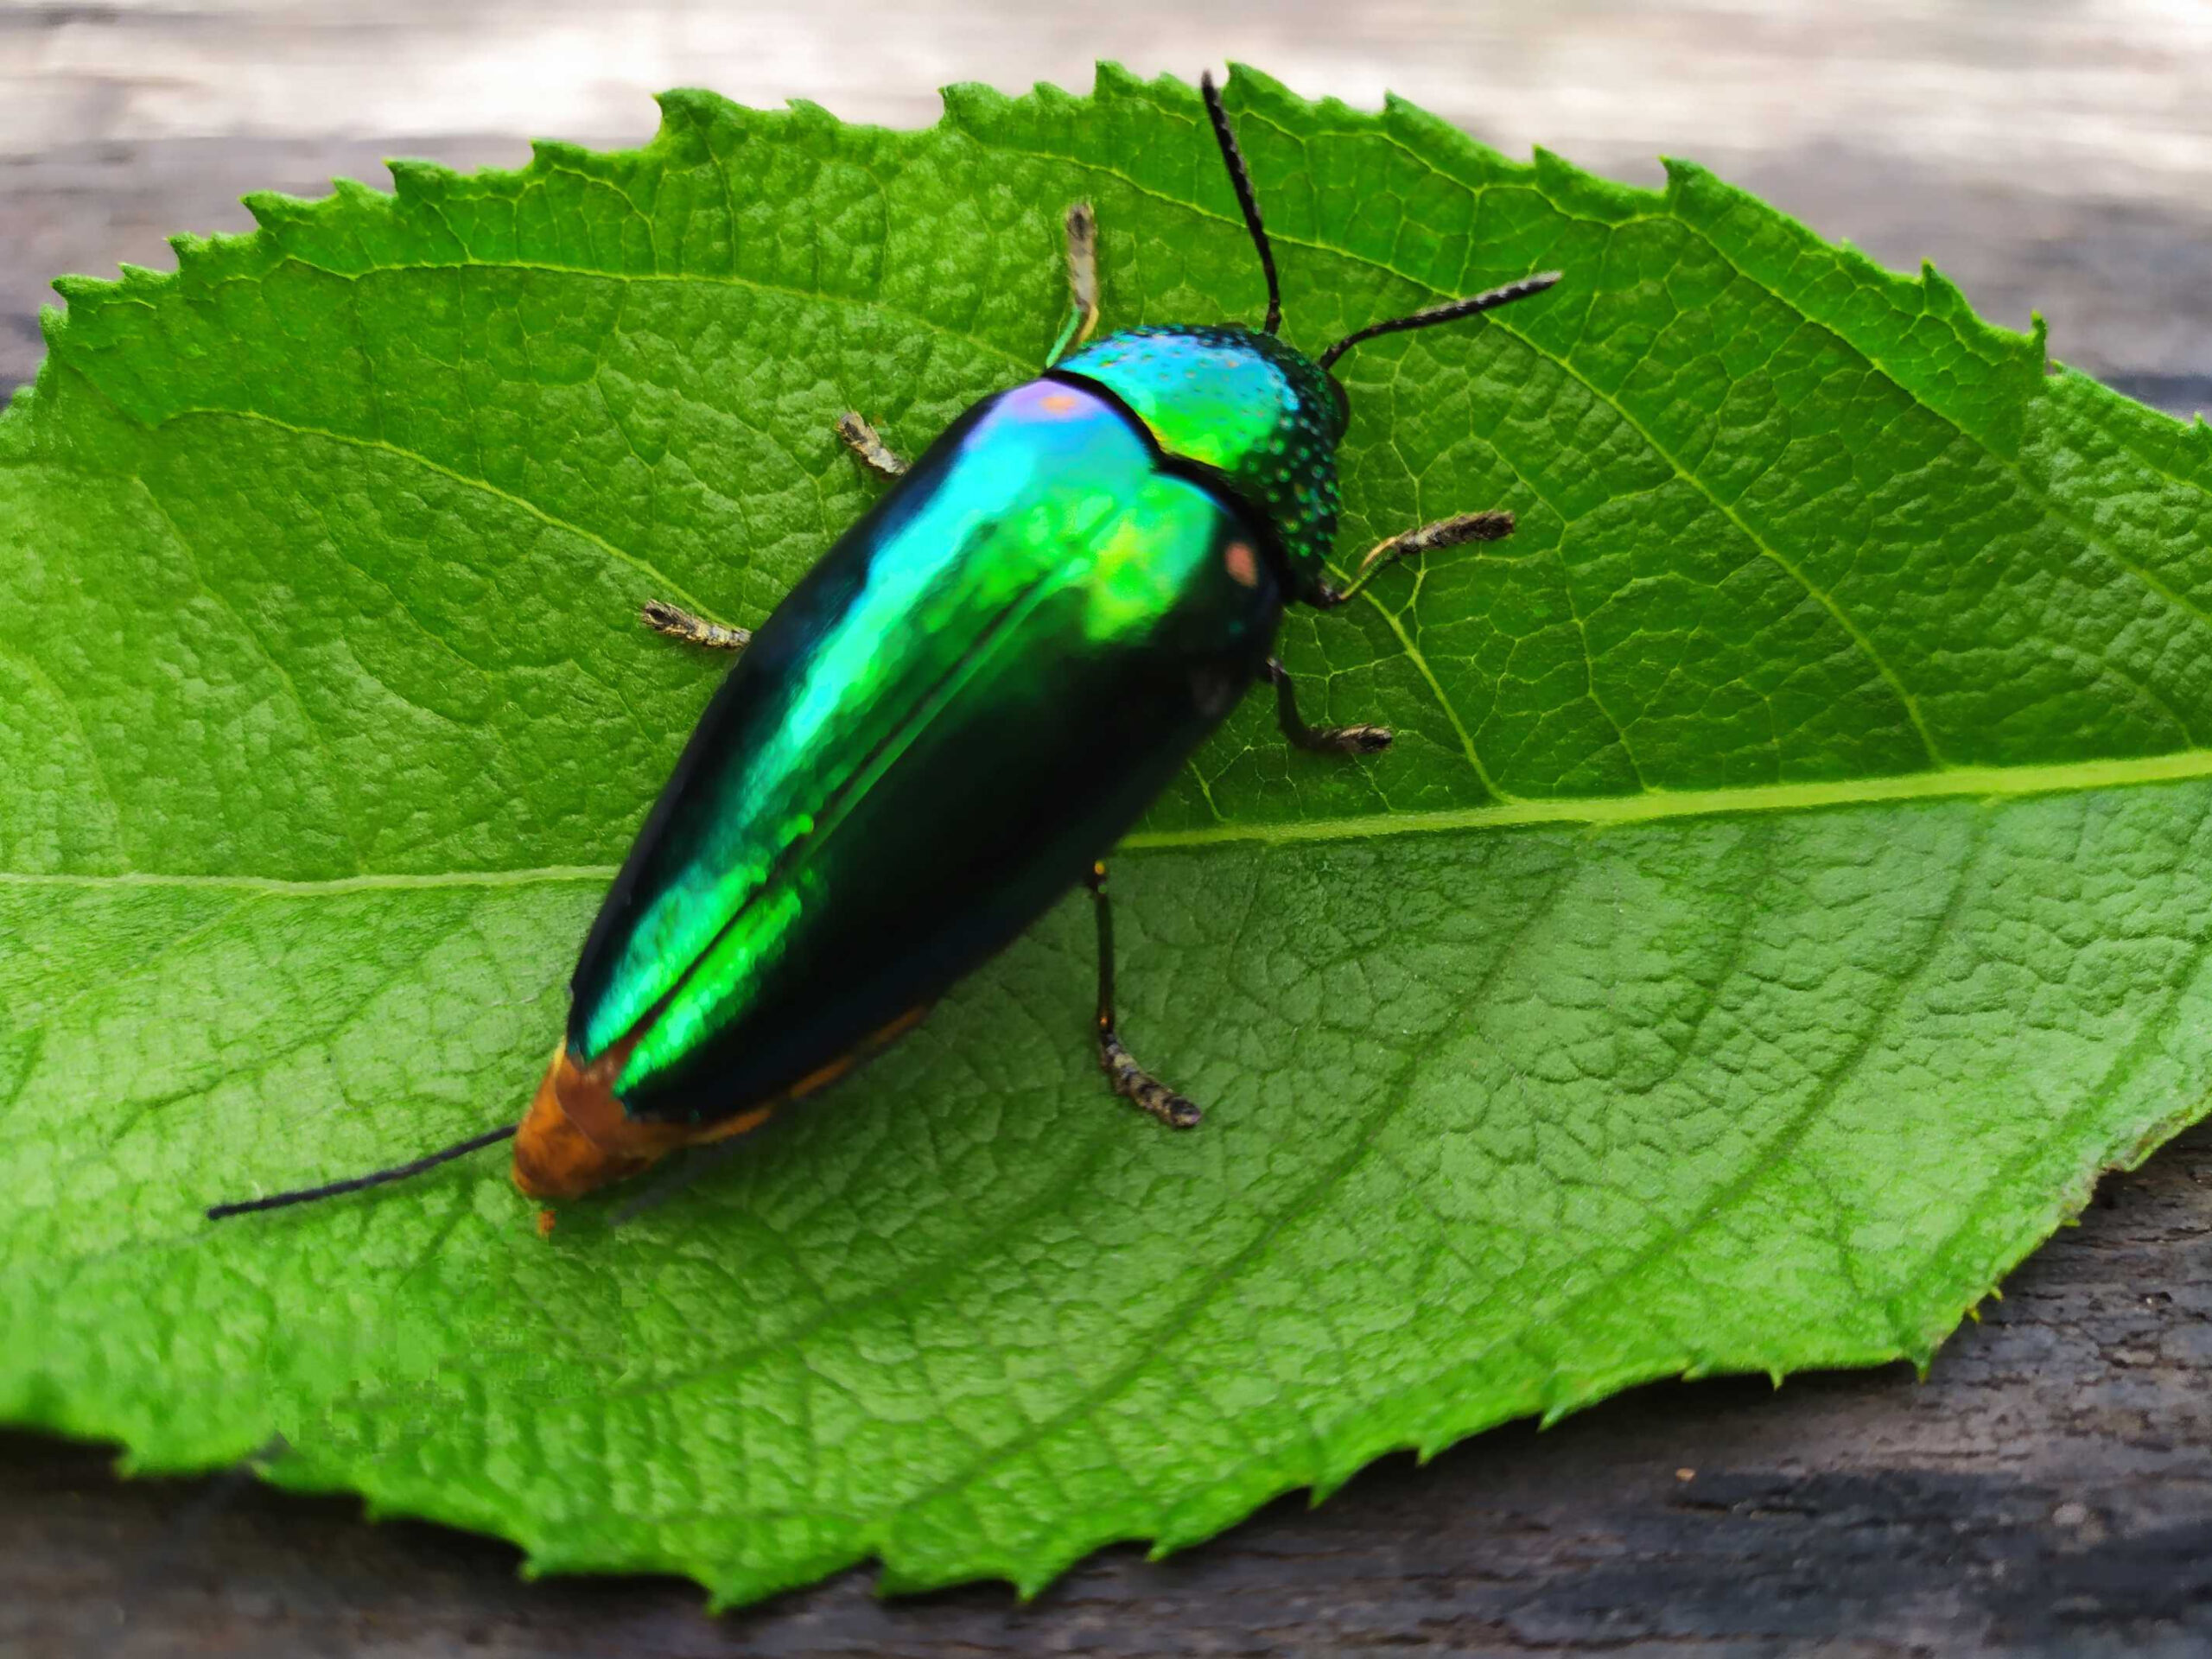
(1784, 898)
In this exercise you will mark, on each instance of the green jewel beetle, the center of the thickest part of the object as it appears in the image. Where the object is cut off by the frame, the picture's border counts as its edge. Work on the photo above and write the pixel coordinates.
(952, 717)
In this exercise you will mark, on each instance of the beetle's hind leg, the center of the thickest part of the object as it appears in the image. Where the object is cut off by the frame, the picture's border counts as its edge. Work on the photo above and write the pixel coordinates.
(679, 624)
(1320, 740)
(1083, 282)
(1455, 532)
(1130, 1080)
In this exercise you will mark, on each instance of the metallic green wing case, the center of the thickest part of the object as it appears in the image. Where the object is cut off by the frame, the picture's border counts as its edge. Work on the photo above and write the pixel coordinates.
(970, 699)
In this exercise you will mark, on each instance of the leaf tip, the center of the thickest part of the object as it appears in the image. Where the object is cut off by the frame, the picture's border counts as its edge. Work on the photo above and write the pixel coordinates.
(1256, 85)
(971, 103)
(355, 193)
(1325, 1487)
(80, 289)
(1051, 95)
(1111, 80)
(557, 152)
(1942, 298)
(414, 176)
(272, 210)
(697, 102)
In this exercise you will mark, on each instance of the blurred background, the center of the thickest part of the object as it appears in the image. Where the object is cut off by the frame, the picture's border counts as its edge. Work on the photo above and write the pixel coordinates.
(2048, 154)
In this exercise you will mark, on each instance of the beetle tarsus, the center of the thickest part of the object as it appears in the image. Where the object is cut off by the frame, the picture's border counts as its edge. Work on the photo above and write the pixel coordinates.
(679, 624)
(1320, 740)
(1129, 1080)
(1083, 282)
(868, 447)
(1141, 1089)
(1494, 526)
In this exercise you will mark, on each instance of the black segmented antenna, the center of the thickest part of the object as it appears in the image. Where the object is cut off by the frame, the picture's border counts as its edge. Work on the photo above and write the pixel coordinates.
(398, 1171)
(1242, 180)
(1450, 311)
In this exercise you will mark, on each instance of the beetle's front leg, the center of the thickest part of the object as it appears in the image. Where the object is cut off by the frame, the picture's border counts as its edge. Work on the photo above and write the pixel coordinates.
(1460, 528)
(679, 624)
(1444, 532)
(1320, 740)
(1130, 1080)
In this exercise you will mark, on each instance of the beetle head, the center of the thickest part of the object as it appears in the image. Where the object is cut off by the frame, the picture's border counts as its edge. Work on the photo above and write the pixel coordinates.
(1241, 403)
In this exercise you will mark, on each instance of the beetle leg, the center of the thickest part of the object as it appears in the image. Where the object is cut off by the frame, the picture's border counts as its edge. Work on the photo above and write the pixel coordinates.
(679, 624)
(1320, 740)
(1083, 282)
(870, 449)
(1461, 527)
(1139, 1087)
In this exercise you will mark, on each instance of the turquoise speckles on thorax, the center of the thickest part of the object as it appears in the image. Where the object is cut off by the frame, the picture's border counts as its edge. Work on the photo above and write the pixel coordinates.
(1259, 412)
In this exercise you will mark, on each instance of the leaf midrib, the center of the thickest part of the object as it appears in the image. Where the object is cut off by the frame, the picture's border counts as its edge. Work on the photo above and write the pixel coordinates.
(1505, 812)
(1654, 806)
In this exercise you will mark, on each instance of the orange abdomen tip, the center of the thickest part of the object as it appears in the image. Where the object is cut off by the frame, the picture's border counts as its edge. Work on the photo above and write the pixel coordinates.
(573, 1139)
(577, 1137)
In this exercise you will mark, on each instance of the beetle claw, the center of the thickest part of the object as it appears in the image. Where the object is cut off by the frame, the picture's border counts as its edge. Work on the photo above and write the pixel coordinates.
(867, 446)
(1141, 1089)
(679, 624)
(1344, 740)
